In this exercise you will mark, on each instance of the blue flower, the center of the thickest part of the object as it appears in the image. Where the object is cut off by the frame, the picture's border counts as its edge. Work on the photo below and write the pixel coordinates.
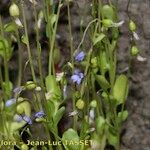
(10, 102)
(77, 77)
(40, 114)
(80, 56)
(27, 119)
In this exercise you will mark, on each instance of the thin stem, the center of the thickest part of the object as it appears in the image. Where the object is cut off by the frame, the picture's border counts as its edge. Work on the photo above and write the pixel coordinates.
(38, 46)
(19, 58)
(28, 45)
(52, 41)
(70, 31)
(82, 40)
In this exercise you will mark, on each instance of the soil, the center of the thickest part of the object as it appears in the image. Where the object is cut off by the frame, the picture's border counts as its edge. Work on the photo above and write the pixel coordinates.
(136, 129)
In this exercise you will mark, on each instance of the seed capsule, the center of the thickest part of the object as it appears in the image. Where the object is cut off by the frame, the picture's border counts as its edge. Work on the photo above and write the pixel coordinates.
(80, 104)
(30, 85)
(132, 26)
(14, 10)
(93, 103)
(107, 23)
(134, 51)
(108, 12)
(24, 147)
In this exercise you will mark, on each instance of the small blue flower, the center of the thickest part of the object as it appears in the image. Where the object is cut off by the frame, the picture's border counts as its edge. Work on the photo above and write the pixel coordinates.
(27, 119)
(10, 102)
(40, 114)
(77, 77)
(80, 56)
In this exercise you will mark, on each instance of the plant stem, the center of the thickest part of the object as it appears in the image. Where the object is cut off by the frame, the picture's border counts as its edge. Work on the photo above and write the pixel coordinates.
(52, 41)
(28, 45)
(19, 58)
(70, 32)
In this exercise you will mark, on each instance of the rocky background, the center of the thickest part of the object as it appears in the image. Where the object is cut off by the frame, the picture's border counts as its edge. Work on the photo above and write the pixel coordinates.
(136, 130)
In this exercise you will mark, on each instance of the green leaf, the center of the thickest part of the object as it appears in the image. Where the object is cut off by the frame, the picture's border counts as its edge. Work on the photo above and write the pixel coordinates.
(51, 86)
(112, 138)
(50, 25)
(58, 115)
(24, 39)
(69, 138)
(10, 27)
(98, 38)
(102, 82)
(51, 109)
(120, 89)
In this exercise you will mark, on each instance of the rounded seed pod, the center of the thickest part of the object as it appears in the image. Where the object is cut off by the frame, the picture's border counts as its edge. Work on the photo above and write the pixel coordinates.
(108, 12)
(24, 147)
(80, 104)
(14, 10)
(30, 85)
(107, 23)
(93, 104)
(134, 51)
(132, 26)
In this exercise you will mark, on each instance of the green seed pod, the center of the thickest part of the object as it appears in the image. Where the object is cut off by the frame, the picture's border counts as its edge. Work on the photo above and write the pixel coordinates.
(132, 26)
(108, 12)
(120, 89)
(93, 104)
(104, 66)
(80, 104)
(14, 10)
(30, 85)
(24, 147)
(102, 82)
(94, 62)
(107, 23)
(105, 95)
(134, 51)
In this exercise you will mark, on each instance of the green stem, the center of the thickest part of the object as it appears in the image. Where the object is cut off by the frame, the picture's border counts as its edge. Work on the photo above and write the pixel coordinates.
(52, 41)
(28, 45)
(70, 32)
(19, 58)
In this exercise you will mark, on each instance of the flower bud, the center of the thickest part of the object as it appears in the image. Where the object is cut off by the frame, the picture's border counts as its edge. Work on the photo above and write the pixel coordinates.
(80, 104)
(107, 23)
(132, 26)
(134, 51)
(93, 103)
(30, 85)
(14, 10)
